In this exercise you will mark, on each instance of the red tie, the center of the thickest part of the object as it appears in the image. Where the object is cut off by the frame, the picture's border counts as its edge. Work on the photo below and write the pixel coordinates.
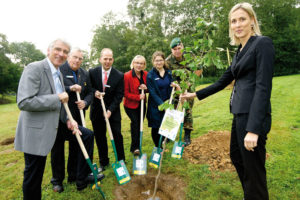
(105, 80)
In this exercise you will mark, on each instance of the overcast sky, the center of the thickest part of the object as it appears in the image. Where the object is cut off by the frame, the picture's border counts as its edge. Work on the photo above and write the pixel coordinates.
(42, 21)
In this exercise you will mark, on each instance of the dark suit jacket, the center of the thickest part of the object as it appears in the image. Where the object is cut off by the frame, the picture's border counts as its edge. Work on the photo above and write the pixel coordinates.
(113, 94)
(252, 70)
(86, 91)
(155, 116)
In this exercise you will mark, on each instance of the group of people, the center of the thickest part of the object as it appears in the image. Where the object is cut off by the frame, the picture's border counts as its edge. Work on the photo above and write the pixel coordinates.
(43, 125)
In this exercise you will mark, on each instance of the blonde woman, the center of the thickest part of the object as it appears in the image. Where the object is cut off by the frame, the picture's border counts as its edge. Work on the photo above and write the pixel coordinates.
(252, 70)
(134, 81)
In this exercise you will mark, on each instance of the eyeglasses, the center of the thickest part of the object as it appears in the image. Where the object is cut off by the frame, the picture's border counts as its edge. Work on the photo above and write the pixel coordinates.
(76, 57)
(139, 63)
(157, 61)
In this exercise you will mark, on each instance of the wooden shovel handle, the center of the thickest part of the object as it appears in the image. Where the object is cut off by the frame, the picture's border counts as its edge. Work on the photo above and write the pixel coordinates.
(81, 111)
(85, 154)
(142, 113)
(106, 119)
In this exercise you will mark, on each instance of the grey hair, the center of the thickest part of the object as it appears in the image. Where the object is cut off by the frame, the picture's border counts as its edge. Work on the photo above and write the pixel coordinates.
(51, 45)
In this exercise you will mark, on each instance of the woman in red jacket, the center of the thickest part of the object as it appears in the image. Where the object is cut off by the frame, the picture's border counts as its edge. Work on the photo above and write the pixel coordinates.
(134, 81)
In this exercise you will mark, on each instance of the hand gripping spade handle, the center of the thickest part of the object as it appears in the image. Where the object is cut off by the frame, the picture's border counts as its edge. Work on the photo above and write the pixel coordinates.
(119, 167)
(93, 167)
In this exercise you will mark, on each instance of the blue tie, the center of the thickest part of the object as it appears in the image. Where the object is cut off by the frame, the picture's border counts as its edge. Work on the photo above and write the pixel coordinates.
(57, 83)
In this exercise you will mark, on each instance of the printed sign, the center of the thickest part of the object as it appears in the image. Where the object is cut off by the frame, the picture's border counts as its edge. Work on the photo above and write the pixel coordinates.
(171, 123)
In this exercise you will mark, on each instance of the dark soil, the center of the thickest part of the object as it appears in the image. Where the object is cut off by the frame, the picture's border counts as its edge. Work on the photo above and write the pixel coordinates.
(141, 187)
(7, 141)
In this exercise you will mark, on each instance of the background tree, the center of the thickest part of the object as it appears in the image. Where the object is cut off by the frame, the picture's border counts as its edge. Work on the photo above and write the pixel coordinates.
(25, 53)
(9, 72)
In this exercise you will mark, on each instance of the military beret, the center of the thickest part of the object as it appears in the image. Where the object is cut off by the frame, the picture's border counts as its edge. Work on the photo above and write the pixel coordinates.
(175, 42)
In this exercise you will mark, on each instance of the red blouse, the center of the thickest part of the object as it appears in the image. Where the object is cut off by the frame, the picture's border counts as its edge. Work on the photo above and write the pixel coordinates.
(131, 89)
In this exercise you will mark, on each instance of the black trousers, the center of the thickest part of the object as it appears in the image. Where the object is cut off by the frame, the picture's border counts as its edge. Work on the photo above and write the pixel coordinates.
(58, 155)
(33, 176)
(250, 165)
(73, 150)
(135, 118)
(155, 137)
(99, 126)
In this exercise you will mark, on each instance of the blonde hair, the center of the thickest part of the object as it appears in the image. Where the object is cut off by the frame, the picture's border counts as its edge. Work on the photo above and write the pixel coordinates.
(138, 57)
(247, 7)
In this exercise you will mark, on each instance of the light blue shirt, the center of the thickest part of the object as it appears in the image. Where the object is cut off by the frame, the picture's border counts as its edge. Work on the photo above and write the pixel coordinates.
(55, 74)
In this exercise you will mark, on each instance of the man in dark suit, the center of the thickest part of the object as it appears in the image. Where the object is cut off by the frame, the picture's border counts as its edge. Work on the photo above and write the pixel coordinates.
(40, 94)
(106, 78)
(76, 79)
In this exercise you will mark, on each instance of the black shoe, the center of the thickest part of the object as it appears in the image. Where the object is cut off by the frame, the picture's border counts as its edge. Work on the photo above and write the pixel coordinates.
(88, 180)
(136, 152)
(187, 137)
(102, 168)
(58, 188)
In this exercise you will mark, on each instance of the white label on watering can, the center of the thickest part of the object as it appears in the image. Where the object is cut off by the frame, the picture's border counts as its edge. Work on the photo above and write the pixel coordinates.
(178, 149)
(156, 157)
(121, 171)
(139, 164)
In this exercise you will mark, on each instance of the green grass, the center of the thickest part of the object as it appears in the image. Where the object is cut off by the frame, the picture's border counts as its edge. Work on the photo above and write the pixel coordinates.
(283, 146)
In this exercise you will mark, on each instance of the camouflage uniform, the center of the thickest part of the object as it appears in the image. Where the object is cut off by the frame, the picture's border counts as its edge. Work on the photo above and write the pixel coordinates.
(174, 65)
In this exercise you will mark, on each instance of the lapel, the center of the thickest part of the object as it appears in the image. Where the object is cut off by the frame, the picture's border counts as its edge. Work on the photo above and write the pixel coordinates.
(49, 75)
(111, 75)
(235, 68)
(100, 79)
(79, 77)
(61, 78)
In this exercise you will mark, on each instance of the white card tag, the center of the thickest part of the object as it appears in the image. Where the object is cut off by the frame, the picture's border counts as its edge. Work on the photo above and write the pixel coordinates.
(121, 171)
(156, 157)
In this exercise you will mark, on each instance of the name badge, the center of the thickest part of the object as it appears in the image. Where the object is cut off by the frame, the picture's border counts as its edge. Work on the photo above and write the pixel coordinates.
(108, 86)
(68, 76)
(157, 79)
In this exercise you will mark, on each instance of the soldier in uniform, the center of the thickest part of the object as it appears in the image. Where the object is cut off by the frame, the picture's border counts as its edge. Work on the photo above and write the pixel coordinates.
(174, 62)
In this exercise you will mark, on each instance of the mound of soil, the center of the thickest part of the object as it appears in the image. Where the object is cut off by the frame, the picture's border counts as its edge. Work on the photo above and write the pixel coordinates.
(212, 149)
(8, 141)
(141, 187)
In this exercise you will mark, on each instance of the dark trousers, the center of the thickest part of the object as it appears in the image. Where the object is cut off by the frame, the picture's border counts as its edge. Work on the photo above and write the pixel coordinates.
(99, 126)
(135, 118)
(73, 150)
(155, 137)
(33, 176)
(58, 155)
(250, 165)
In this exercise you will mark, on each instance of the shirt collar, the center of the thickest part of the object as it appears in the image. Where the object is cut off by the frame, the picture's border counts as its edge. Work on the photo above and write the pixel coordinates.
(52, 68)
(134, 74)
(108, 72)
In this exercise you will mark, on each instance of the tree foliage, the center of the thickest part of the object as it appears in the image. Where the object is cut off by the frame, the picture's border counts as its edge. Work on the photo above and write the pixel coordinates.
(25, 53)
(153, 23)
(9, 72)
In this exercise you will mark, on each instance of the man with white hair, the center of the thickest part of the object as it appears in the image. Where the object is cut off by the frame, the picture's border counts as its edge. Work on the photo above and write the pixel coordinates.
(40, 97)
(76, 79)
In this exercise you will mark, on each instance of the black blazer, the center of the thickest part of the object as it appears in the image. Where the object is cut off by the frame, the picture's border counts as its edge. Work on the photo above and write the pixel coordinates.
(86, 91)
(113, 94)
(252, 70)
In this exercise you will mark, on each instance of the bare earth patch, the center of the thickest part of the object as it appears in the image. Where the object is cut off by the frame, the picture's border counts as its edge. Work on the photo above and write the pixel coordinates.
(7, 141)
(212, 149)
(141, 187)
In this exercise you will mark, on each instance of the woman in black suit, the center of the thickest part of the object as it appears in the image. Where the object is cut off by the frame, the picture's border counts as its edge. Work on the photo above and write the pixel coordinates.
(252, 69)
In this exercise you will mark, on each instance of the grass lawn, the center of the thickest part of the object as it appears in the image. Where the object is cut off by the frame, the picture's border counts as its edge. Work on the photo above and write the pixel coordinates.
(283, 147)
